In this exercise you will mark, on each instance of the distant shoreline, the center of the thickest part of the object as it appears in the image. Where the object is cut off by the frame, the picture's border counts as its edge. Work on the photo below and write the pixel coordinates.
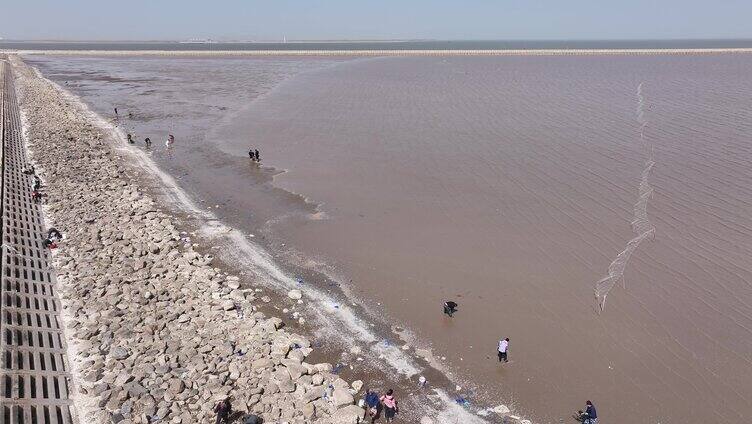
(498, 52)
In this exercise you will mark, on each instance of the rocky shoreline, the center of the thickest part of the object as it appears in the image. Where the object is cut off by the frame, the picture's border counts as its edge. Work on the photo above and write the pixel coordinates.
(155, 332)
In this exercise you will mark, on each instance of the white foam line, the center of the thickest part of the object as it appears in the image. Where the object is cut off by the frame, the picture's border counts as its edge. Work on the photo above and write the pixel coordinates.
(641, 225)
(454, 413)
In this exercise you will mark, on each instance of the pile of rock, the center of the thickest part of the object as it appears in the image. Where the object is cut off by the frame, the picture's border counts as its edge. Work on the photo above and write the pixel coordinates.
(154, 331)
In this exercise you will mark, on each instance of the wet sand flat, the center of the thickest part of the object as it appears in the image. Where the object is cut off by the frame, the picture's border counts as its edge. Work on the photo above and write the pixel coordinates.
(510, 185)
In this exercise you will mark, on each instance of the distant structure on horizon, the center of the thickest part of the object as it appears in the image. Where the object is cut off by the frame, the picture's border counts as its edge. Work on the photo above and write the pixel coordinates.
(198, 41)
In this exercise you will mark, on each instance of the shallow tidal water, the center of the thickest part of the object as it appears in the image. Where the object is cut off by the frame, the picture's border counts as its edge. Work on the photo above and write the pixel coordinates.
(506, 183)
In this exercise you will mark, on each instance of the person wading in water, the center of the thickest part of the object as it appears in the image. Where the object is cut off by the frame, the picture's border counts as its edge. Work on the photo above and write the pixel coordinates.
(450, 308)
(591, 416)
(503, 347)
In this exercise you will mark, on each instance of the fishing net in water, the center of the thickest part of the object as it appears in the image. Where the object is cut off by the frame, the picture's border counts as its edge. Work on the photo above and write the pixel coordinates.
(641, 225)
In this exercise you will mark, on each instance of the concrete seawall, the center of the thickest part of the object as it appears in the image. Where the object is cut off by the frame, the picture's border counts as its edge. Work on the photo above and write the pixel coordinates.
(34, 380)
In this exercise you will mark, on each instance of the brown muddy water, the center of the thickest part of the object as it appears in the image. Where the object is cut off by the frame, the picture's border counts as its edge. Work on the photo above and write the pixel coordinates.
(510, 184)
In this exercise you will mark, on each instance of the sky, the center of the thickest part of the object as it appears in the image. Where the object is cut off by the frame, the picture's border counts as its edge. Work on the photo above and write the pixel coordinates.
(374, 19)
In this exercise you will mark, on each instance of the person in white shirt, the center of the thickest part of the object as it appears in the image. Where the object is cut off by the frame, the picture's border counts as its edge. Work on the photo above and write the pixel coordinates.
(503, 347)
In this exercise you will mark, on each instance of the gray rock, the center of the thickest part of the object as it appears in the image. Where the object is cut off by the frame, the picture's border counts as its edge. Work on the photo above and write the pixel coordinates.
(297, 355)
(295, 294)
(126, 408)
(424, 353)
(120, 353)
(295, 371)
(347, 415)
(237, 295)
(324, 367)
(317, 379)
(308, 410)
(136, 390)
(313, 394)
(163, 412)
(261, 363)
(175, 386)
(340, 384)
(342, 397)
(122, 378)
(276, 324)
(287, 386)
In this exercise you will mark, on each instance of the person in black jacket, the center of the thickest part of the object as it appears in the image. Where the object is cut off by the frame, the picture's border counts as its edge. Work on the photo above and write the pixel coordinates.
(54, 235)
(223, 409)
(450, 307)
(590, 413)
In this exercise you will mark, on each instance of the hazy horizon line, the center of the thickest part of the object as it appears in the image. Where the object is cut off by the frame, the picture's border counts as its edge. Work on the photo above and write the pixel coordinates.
(356, 40)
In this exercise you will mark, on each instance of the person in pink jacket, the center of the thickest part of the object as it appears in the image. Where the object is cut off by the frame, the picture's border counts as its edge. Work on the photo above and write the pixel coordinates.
(390, 405)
